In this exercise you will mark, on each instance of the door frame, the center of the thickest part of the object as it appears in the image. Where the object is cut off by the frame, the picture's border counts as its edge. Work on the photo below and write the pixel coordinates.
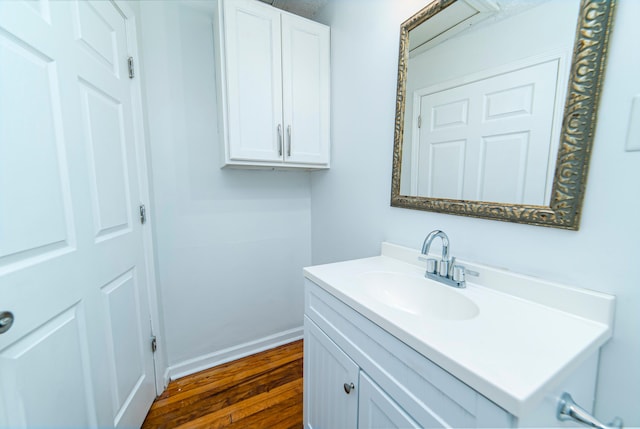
(141, 149)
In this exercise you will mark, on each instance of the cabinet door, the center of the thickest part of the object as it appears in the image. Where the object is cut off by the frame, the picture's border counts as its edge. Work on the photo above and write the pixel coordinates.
(327, 373)
(254, 81)
(377, 410)
(305, 70)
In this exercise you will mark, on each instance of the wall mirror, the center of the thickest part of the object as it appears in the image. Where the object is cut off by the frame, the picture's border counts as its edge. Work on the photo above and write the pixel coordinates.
(496, 108)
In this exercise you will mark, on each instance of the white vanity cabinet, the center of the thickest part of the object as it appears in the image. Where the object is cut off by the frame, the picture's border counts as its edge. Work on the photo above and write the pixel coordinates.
(499, 353)
(273, 87)
(395, 386)
(339, 395)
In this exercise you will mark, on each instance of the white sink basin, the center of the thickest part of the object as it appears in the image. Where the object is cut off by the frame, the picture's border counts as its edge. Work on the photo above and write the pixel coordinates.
(417, 296)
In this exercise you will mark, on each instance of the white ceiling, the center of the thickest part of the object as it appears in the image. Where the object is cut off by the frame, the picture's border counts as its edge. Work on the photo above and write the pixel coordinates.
(306, 8)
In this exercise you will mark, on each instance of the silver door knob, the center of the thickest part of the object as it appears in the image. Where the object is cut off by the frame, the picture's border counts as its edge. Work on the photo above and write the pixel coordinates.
(348, 387)
(6, 320)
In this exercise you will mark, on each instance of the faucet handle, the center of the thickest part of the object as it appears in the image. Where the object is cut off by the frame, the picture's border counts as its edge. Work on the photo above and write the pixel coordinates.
(471, 272)
(459, 273)
(432, 264)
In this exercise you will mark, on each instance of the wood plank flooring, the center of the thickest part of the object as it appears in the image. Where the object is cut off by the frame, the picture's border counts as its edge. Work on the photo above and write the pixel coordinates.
(259, 391)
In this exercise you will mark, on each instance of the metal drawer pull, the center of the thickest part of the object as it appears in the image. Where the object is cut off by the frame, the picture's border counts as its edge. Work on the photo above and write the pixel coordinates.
(289, 143)
(6, 320)
(349, 387)
(280, 139)
(569, 410)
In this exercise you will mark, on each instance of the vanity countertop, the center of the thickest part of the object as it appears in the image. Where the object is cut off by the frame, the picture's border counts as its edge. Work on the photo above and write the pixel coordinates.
(527, 336)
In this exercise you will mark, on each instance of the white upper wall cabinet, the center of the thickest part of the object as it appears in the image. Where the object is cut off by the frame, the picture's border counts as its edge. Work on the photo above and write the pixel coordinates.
(273, 86)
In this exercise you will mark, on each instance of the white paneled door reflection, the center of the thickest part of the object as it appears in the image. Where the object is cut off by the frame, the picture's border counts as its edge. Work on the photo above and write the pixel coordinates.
(490, 139)
(72, 266)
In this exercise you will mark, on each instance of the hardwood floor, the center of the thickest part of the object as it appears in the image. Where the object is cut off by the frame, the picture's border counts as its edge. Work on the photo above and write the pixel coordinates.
(259, 391)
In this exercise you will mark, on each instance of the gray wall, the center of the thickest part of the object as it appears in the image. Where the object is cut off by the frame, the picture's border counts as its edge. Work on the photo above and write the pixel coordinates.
(350, 203)
(230, 244)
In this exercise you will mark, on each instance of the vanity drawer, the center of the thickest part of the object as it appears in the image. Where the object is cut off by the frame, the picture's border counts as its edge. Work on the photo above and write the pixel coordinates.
(418, 385)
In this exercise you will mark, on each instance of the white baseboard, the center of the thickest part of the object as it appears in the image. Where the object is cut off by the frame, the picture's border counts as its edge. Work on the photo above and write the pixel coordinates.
(210, 360)
(167, 378)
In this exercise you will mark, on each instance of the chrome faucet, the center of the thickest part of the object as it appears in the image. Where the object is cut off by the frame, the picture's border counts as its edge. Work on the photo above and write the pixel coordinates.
(445, 270)
(445, 262)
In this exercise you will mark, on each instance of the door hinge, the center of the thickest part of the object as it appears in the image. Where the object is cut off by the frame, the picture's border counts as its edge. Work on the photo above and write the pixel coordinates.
(130, 65)
(143, 214)
(419, 121)
(154, 344)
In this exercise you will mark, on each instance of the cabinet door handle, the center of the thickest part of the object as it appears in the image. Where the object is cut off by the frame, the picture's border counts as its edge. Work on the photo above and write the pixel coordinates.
(289, 140)
(280, 139)
(6, 320)
(348, 387)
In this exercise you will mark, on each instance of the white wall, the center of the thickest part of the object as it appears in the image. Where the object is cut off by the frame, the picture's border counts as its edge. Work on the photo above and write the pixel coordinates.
(350, 203)
(230, 244)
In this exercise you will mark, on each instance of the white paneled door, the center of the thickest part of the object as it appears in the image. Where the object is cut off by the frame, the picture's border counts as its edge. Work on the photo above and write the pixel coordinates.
(73, 276)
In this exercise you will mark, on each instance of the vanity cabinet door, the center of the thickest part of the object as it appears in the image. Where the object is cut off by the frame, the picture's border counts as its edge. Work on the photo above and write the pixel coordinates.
(376, 410)
(331, 383)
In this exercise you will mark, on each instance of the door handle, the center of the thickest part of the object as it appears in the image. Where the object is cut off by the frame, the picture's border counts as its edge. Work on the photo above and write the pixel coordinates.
(289, 140)
(348, 387)
(280, 139)
(6, 321)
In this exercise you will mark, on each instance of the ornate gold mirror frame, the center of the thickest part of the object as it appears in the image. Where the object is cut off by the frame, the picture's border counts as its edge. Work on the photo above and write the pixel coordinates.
(578, 126)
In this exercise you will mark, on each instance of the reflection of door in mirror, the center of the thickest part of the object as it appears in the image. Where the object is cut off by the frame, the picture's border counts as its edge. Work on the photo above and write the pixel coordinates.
(483, 112)
(488, 140)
